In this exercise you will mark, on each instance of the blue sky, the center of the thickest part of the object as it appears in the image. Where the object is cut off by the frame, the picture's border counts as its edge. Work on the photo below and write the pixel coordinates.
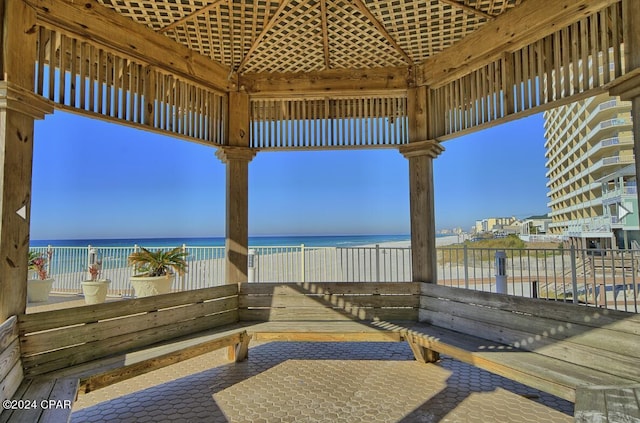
(93, 179)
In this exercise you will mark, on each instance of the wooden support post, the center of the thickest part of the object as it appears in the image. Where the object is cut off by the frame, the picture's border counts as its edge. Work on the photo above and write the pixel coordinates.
(420, 154)
(237, 155)
(239, 352)
(628, 86)
(18, 109)
(422, 354)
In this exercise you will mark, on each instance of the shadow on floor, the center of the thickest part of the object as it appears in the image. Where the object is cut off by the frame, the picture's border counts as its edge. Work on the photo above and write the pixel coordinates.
(329, 382)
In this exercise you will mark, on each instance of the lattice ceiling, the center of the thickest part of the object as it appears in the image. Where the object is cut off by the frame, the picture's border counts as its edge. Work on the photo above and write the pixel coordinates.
(308, 35)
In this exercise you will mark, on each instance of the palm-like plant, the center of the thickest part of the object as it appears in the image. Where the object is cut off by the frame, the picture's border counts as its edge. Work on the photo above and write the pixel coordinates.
(159, 262)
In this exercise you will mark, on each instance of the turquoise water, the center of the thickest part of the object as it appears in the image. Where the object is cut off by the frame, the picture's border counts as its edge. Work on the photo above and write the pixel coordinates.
(262, 241)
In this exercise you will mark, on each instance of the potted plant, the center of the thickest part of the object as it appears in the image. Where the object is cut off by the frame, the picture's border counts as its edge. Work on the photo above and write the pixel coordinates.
(39, 285)
(157, 270)
(95, 289)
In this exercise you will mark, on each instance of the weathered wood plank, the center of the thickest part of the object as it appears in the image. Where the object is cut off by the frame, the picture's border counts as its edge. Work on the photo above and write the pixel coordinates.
(538, 327)
(8, 358)
(586, 356)
(85, 371)
(297, 314)
(379, 336)
(590, 406)
(329, 288)
(12, 381)
(566, 312)
(8, 332)
(38, 390)
(146, 361)
(548, 374)
(333, 300)
(67, 357)
(58, 318)
(102, 330)
(63, 390)
(607, 404)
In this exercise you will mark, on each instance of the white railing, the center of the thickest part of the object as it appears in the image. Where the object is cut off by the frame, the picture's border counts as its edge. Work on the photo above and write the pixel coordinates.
(605, 278)
(595, 277)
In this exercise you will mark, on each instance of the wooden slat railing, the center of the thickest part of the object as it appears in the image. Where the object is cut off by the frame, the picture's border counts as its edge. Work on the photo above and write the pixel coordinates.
(59, 339)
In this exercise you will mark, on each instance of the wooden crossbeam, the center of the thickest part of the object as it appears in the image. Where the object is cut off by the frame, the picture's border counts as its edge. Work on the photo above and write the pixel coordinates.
(328, 81)
(520, 26)
(101, 25)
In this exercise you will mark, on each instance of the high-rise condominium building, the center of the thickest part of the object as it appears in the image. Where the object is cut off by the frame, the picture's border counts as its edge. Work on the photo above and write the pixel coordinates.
(590, 162)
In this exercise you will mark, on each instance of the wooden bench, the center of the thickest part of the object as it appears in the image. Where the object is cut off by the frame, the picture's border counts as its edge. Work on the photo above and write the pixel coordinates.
(327, 312)
(30, 400)
(107, 343)
(552, 346)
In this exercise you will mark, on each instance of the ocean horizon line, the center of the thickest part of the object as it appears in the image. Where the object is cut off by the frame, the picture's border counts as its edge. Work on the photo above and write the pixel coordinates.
(257, 240)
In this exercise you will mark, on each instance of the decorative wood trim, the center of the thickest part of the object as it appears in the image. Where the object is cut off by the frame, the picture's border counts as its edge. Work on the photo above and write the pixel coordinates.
(13, 97)
(89, 20)
(230, 153)
(430, 148)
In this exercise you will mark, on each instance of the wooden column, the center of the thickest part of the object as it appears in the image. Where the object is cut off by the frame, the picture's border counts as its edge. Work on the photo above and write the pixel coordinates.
(420, 152)
(628, 86)
(423, 224)
(236, 156)
(18, 109)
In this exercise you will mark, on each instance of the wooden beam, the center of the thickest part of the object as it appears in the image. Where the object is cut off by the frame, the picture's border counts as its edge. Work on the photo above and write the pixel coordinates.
(328, 81)
(90, 20)
(468, 9)
(530, 21)
(190, 16)
(325, 34)
(381, 29)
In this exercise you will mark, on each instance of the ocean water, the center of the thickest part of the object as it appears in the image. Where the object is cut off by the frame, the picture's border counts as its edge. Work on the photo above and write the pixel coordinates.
(261, 241)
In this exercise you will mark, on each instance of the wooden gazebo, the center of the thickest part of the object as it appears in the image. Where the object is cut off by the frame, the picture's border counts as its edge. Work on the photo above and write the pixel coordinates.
(245, 76)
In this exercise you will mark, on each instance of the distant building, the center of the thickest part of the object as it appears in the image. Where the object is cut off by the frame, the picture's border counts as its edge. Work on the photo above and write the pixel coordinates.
(537, 225)
(589, 149)
(495, 224)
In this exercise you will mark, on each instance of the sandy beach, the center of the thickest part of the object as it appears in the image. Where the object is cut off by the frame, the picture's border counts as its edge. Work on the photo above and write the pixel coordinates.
(440, 242)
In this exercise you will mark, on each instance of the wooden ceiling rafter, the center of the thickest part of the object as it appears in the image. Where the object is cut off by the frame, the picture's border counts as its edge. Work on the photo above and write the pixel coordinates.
(272, 22)
(325, 34)
(191, 16)
(468, 9)
(381, 29)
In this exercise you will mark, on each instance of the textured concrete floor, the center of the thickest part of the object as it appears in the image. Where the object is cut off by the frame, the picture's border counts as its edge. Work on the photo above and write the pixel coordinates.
(320, 382)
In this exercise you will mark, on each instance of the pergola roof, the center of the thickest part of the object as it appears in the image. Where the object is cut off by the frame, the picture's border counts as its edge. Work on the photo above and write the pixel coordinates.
(251, 36)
